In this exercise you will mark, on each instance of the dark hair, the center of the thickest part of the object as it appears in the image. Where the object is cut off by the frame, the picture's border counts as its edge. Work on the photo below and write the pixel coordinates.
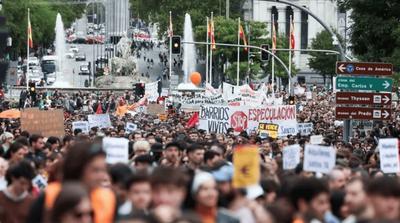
(146, 158)
(78, 156)
(210, 154)
(306, 189)
(70, 196)
(13, 149)
(34, 138)
(193, 147)
(337, 201)
(23, 140)
(119, 173)
(53, 140)
(163, 176)
(67, 139)
(175, 144)
(25, 134)
(384, 186)
(135, 178)
(22, 169)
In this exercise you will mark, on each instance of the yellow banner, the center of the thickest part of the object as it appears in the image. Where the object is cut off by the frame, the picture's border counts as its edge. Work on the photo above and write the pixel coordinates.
(270, 129)
(246, 161)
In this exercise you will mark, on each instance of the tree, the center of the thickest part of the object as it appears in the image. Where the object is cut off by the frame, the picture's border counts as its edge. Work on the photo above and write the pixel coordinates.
(323, 63)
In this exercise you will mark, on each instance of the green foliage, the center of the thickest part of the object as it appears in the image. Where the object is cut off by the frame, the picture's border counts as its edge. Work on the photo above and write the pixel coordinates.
(321, 62)
(43, 17)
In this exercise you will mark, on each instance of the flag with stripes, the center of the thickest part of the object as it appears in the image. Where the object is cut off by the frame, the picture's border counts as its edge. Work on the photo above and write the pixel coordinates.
(30, 40)
(242, 36)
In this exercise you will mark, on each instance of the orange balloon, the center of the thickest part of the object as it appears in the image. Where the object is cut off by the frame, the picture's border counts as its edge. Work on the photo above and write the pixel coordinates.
(195, 78)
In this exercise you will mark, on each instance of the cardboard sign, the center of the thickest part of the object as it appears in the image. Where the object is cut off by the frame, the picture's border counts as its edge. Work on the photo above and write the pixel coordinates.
(309, 95)
(246, 162)
(130, 127)
(83, 125)
(305, 129)
(40, 182)
(389, 155)
(46, 123)
(291, 156)
(270, 129)
(320, 159)
(155, 109)
(101, 121)
(316, 139)
(151, 91)
(117, 150)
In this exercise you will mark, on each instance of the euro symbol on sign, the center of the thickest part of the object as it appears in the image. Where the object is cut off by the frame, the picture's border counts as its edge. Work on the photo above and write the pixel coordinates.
(245, 170)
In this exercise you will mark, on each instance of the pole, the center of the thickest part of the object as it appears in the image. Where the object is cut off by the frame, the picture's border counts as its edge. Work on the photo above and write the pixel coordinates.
(227, 8)
(170, 46)
(27, 54)
(238, 55)
(290, 56)
(207, 48)
(248, 52)
(273, 51)
(211, 49)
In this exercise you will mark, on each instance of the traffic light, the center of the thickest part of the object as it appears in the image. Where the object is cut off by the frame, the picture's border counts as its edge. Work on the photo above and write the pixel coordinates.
(264, 55)
(139, 89)
(291, 100)
(176, 45)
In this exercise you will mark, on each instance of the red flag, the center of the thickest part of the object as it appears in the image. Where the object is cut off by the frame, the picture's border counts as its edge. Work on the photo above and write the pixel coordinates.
(30, 41)
(99, 110)
(273, 36)
(242, 36)
(292, 38)
(212, 35)
(193, 120)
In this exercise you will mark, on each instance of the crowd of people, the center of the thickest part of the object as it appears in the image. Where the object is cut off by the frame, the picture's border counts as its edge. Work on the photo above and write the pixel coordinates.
(180, 174)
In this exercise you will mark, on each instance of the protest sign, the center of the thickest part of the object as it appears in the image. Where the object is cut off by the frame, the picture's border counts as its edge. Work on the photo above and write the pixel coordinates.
(309, 95)
(130, 127)
(305, 129)
(291, 156)
(246, 166)
(151, 91)
(101, 121)
(270, 129)
(117, 150)
(46, 123)
(40, 182)
(320, 159)
(316, 139)
(389, 155)
(155, 109)
(83, 125)
(217, 119)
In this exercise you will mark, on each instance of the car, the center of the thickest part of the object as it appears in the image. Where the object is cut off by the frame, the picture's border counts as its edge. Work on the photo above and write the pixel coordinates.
(80, 57)
(84, 70)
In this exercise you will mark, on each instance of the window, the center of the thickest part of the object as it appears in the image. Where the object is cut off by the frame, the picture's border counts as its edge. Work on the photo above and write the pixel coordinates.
(275, 16)
(289, 14)
(304, 30)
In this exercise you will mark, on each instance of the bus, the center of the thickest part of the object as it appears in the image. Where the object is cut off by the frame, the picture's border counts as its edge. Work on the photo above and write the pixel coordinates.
(48, 65)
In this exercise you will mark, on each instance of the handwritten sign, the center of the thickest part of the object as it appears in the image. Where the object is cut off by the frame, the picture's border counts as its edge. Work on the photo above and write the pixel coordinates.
(130, 127)
(155, 109)
(320, 159)
(270, 129)
(316, 139)
(291, 156)
(117, 150)
(83, 125)
(305, 129)
(101, 121)
(246, 162)
(389, 155)
(46, 123)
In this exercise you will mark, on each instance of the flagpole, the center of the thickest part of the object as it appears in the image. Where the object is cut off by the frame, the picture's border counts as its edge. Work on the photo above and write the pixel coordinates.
(273, 58)
(238, 55)
(211, 48)
(207, 47)
(290, 55)
(27, 53)
(170, 45)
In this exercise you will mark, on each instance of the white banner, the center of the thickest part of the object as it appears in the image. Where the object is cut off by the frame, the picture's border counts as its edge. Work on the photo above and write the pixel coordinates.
(130, 127)
(151, 90)
(117, 150)
(101, 121)
(291, 156)
(316, 139)
(305, 129)
(389, 155)
(83, 125)
(320, 159)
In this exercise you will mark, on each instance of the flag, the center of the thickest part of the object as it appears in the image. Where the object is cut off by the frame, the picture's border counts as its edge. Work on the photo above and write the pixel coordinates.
(292, 39)
(30, 41)
(242, 36)
(212, 34)
(273, 37)
(99, 110)
(192, 122)
(208, 28)
(170, 29)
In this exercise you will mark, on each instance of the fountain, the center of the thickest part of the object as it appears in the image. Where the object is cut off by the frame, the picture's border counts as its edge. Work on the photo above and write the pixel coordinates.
(60, 42)
(189, 50)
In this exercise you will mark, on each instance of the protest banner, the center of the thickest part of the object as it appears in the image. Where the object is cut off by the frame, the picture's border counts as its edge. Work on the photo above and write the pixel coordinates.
(101, 121)
(130, 127)
(246, 166)
(117, 150)
(83, 125)
(151, 91)
(316, 139)
(305, 129)
(155, 109)
(270, 129)
(291, 156)
(43, 122)
(389, 155)
(320, 159)
(217, 119)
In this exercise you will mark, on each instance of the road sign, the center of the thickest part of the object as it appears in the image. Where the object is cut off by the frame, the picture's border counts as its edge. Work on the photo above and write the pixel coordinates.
(365, 83)
(363, 113)
(363, 98)
(352, 68)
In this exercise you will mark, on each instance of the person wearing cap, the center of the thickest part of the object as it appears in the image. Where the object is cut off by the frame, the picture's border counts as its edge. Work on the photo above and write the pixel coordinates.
(205, 193)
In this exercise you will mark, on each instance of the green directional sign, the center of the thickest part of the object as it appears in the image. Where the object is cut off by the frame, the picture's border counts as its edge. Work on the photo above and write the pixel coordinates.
(364, 83)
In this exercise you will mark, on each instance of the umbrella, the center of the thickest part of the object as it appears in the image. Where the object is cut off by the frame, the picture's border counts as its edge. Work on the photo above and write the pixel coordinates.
(12, 113)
